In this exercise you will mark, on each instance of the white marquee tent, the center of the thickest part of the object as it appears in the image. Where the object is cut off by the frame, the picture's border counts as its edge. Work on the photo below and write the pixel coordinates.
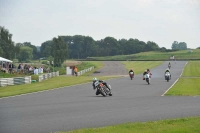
(4, 60)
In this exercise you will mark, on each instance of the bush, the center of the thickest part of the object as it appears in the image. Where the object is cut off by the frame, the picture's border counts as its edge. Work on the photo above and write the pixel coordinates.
(28, 61)
(44, 62)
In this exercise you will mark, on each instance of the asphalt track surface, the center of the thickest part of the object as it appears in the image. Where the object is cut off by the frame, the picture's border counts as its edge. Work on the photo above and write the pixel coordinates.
(78, 107)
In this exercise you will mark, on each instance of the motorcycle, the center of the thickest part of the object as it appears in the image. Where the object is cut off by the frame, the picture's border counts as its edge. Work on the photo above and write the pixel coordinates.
(169, 66)
(147, 78)
(131, 74)
(103, 90)
(167, 76)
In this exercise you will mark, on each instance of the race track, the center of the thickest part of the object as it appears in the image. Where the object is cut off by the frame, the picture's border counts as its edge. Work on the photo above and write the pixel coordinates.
(78, 107)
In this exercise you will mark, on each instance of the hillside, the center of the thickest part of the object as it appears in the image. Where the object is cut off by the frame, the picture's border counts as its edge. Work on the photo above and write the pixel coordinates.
(154, 55)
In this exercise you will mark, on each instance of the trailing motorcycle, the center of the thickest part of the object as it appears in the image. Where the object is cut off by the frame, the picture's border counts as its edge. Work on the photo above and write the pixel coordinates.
(167, 76)
(103, 90)
(131, 74)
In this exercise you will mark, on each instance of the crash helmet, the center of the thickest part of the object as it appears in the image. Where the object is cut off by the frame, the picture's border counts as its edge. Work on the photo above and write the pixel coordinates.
(145, 70)
(148, 69)
(94, 79)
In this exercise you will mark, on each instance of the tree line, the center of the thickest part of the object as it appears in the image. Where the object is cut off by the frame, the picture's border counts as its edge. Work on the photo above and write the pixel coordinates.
(81, 47)
(61, 48)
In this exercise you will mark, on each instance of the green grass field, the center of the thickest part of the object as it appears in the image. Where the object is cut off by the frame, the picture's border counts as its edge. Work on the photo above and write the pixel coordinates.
(182, 125)
(189, 83)
(192, 69)
(139, 66)
(179, 55)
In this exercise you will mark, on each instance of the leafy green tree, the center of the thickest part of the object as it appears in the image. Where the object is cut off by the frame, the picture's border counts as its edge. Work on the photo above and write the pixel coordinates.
(1, 51)
(77, 47)
(152, 46)
(175, 45)
(110, 45)
(88, 47)
(122, 43)
(46, 49)
(179, 46)
(182, 46)
(60, 51)
(6, 44)
(36, 53)
(26, 53)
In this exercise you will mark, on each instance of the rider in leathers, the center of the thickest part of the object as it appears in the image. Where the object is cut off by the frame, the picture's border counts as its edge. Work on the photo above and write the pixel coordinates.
(167, 70)
(144, 73)
(101, 81)
(130, 72)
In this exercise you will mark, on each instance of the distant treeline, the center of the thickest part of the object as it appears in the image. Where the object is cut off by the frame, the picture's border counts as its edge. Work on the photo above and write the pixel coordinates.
(81, 47)
(76, 47)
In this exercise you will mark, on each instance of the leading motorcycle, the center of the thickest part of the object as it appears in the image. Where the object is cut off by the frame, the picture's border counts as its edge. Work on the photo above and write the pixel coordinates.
(103, 90)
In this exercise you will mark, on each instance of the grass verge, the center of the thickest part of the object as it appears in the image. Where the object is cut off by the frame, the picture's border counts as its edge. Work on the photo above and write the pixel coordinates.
(185, 87)
(192, 69)
(154, 55)
(189, 83)
(139, 66)
(181, 125)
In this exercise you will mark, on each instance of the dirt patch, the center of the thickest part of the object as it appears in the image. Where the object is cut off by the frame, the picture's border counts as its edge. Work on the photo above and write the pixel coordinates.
(111, 68)
(72, 63)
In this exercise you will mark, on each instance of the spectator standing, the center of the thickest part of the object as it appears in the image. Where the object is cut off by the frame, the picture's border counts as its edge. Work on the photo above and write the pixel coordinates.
(10, 67)
(22, 68)
(76, 71)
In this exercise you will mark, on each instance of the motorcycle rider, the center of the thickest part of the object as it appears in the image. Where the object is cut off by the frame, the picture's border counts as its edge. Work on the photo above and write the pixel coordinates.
(101, 81)
(144, 73)
(148, 71)
(131, 71)
(167, 70)
(169, 65)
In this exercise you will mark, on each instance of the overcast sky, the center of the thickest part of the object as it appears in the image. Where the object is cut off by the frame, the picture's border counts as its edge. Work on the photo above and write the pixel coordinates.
(160, 21)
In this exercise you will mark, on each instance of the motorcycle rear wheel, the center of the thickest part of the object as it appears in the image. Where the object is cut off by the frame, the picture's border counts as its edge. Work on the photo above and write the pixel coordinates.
(102, 92)
(147, 81)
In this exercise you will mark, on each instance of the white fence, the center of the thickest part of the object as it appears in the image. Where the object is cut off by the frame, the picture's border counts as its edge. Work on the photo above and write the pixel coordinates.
(15, 81)
(86, 70)
(48, 75)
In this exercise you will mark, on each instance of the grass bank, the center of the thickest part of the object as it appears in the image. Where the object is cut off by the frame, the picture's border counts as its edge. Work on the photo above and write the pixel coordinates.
(182, 125)
(139, 66)
(189, 83)
(155, 55)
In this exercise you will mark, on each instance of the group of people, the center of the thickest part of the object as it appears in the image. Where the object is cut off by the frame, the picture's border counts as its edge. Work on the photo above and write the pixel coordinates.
(7, 67)
(22, 69)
